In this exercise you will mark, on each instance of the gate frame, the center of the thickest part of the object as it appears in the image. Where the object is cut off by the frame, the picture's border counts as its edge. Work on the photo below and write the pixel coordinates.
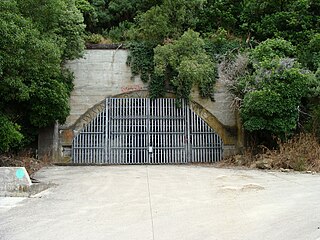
(232, 135)
(188, 108)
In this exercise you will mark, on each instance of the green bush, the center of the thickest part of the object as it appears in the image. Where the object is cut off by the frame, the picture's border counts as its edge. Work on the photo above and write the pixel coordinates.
(37, 38)
(273, 89)
(9, 134)
(313, 124)
(272, 48)
(185, 63)
(93, 38)
(118, 33)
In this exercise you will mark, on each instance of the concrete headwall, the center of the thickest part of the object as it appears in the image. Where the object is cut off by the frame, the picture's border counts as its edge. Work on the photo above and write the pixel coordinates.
(99, 74)
(103, 73)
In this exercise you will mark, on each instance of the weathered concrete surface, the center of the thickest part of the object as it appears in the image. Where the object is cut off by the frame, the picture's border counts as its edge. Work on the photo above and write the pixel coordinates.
(167, 203)
(221, 107)
(13, 179)
(48, 142)
(99, 74)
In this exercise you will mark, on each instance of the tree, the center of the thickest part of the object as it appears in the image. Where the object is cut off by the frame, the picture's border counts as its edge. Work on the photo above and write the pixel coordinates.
(294, 20)
(103, 15)
(273, 89)
(89, 13)
(184, 63)
(168, 20)
(219, 14)
(34, 85)
(58, 19)
(311, 54)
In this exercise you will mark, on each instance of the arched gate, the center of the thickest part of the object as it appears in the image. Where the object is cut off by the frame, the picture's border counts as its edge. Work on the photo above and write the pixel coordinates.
(145, 131)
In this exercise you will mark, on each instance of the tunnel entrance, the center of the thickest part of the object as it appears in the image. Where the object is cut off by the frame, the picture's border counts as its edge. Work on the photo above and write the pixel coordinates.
(145, 131)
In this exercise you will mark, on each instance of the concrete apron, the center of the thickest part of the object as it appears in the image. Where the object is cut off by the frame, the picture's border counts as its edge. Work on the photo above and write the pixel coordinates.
(167, 203)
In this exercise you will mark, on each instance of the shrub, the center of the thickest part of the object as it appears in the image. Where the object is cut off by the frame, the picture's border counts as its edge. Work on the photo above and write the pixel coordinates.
(118, 33)
(185, 63)
(300, 153)
(9, 134)
(94, 38)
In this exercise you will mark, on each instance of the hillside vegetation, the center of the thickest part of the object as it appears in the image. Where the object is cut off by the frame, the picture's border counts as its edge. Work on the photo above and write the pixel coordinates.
(269, 50)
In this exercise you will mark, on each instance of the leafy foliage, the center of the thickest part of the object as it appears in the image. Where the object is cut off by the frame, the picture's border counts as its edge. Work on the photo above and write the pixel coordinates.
(313, 123)
(273, 90)
(34, 87)
(294, 20)
(220, 45)
(140, 59)
(59, 20)
(310, 56)
(168, 20)
(89, 13)
(219, 14)
(107, 14)
(9, 134)
(185, 63)
(273, 48)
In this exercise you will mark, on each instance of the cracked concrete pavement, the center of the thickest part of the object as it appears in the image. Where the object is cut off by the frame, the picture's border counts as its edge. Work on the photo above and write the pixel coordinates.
(182, 202)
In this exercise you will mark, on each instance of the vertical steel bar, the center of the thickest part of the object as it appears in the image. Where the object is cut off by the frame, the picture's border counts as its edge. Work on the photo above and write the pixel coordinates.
(147, 130)
(127, 132)
(83, 145)
(79, 147)
(188, 154)
(116, 101)
(125, 158)
(161, 127)
(134, 130)
(103, 140)
(121, 135)
(215, 150)
(121, 110)
(111, 132)
(198, 141)
(98, 155)
(150, 132)
(89, 136)
(163, 122)
(206, 143)
(73, 152)
(120, 103)
(131, 131)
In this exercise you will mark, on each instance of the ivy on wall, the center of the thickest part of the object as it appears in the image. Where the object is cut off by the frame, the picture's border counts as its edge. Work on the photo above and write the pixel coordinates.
(179, 65)
(141, 61)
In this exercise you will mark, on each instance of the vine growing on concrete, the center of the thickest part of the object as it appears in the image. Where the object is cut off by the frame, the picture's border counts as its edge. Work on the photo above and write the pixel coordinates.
(179, 65)
(141, 61)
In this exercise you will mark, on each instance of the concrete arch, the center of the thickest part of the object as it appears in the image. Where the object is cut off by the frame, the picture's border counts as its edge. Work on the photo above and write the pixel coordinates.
(228, 134)
(225, 132)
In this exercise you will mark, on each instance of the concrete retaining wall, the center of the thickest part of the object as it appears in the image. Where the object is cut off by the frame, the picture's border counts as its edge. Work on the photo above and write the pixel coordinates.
(99, 74)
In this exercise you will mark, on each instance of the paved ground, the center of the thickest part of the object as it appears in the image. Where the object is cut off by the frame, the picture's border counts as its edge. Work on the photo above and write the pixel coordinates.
(165, 203)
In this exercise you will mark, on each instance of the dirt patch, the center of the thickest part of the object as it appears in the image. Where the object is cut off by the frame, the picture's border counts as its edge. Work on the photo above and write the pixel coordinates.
(301, 153)
(244, 188)
(25, 159)
(251, 187)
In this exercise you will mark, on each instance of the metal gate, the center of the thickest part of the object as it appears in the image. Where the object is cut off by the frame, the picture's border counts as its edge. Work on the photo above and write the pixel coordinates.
(145, 131)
